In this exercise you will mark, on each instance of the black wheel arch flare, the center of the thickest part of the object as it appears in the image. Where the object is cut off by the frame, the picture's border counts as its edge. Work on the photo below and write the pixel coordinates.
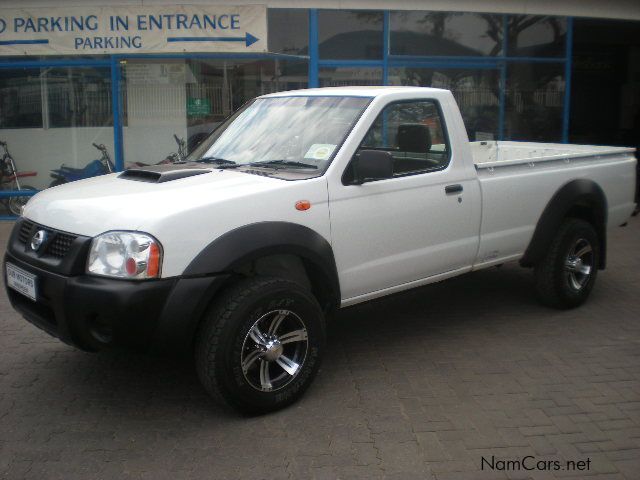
(581, 197)
(257, 240)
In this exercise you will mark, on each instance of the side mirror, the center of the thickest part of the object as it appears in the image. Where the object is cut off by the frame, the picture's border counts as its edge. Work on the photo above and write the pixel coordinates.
(372, 165)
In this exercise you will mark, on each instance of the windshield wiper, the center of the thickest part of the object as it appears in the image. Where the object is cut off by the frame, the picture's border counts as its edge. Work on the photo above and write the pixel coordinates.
(220, 162)
(284, 163)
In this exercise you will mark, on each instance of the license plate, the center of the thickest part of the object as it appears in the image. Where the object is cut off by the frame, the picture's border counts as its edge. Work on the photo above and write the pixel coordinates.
(21, 281)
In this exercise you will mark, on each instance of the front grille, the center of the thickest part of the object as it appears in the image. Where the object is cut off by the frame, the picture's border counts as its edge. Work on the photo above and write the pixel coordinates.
(25, 230)
(58, 245)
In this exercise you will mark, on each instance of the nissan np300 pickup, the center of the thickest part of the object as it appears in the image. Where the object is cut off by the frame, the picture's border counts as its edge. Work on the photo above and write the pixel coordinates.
(301, 203)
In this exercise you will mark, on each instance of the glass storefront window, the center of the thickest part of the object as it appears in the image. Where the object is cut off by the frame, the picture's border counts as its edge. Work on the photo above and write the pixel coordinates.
(52, 117)
(67, 109)
(350, 34)
(349, 76)
(534, 102)
(188, 98)
(78, 97)
(532, 36)
(445, 33)
(476, 91)
(288, 30)
(20, 98)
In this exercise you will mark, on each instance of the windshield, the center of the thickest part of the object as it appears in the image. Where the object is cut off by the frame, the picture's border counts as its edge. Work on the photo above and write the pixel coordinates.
(283, 132)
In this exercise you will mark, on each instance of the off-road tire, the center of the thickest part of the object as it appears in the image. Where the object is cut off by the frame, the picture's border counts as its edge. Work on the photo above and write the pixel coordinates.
(553, 276)
(220, 344)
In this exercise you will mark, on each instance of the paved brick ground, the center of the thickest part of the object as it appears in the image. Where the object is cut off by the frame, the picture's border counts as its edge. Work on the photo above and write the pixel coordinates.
(421, 385)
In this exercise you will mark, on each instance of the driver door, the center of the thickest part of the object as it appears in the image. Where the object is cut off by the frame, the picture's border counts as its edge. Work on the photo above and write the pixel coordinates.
(390, 234)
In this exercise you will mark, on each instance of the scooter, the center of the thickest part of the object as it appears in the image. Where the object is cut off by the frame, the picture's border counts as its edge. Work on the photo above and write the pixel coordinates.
(95, 168)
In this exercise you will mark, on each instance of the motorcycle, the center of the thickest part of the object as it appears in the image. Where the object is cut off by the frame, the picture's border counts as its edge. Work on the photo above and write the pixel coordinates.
(9, 180)
(175, 157)
(97, 167)
(181, 154)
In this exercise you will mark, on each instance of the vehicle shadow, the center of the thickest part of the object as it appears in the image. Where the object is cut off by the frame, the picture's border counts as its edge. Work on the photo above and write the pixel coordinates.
(491, 293)
(134, 387)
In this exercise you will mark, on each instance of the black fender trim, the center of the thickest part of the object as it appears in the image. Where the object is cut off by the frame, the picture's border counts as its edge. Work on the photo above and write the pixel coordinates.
(257, 240)
(183, 309)
(584, 195)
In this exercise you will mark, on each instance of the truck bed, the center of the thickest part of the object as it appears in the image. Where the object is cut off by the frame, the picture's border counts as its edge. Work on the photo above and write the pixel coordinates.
(518, 179)
(498, 154)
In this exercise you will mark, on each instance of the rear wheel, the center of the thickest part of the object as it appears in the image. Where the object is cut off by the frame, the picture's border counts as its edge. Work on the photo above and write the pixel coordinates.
(16, 203)
(567, 274)
(260, 345)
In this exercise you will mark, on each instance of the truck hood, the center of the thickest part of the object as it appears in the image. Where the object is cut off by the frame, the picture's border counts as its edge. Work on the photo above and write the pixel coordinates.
(125, 202)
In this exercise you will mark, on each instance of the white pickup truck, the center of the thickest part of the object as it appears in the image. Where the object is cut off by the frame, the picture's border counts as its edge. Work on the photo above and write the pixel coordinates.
(301, 203)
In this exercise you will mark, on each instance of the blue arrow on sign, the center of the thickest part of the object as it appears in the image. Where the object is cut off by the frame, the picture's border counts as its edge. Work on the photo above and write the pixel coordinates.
(23, 42)
(248, 39)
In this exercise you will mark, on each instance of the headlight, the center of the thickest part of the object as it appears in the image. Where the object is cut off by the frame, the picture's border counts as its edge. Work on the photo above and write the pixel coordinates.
(125, 255)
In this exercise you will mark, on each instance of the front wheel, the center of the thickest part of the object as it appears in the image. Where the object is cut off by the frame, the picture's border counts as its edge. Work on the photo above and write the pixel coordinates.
(567, 274)
(16, 203)
(259, 347)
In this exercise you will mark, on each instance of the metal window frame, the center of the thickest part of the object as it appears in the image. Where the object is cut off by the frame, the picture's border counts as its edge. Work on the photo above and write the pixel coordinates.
(499, 62)
(568, 66)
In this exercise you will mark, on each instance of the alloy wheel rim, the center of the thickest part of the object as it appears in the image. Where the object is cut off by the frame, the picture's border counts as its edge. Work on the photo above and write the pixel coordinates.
(274, 350)
(579, 264)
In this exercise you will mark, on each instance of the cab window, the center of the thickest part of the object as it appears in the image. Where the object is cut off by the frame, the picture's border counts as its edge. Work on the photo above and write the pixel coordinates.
(413, 133)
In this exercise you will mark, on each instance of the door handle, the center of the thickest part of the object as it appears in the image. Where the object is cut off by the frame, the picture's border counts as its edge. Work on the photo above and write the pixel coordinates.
(452, 189)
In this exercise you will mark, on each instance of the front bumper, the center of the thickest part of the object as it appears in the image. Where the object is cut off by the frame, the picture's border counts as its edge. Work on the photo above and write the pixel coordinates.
(92, 313)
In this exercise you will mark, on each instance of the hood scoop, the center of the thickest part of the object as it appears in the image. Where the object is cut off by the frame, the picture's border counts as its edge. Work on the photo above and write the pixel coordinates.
(163, 173)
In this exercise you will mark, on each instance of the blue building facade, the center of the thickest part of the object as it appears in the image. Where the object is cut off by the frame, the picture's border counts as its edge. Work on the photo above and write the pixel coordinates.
(512, 76)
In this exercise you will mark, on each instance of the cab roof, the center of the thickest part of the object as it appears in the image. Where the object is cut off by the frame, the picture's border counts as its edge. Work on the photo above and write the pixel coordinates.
(354, 91)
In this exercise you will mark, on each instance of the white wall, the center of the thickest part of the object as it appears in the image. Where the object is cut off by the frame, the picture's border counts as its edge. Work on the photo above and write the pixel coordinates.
(156, 109)
(151, 144)
(42, 150)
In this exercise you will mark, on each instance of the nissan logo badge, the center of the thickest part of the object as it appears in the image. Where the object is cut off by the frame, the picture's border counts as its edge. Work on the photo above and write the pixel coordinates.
(38, 239)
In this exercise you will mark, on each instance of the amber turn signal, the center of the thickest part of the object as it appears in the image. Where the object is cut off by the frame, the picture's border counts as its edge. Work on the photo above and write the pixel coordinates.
(303, 205)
